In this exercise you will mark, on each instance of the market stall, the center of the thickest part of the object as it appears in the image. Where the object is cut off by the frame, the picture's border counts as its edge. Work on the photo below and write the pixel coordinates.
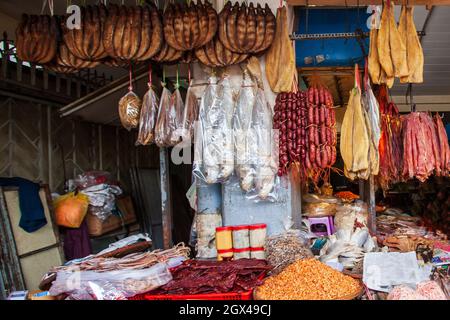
(279, 146)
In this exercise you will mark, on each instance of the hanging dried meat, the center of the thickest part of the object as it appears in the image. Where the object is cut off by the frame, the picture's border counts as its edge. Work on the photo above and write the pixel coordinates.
(372, 116)
(65, 58)
(132, 33)
(246, 29)
(167, 54)
(354, 143)
(86, 43)
(391, 145)
(36, 39)
(421, 153)
(414, 52)
(444, 150)
(391, 50)
(280, 58)
(202, 277)
(320, 138)
(191, 26)
(214, 54)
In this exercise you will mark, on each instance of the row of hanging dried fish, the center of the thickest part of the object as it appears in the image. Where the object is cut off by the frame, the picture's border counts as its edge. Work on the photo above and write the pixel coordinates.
(118, 35)
(395, 51)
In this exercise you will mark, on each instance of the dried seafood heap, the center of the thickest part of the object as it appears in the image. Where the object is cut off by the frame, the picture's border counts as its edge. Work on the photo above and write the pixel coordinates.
(285, 249)
(308, 280)
(132, 261)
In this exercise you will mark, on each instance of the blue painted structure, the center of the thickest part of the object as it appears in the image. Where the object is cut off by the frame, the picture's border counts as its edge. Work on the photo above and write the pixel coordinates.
(337, 52)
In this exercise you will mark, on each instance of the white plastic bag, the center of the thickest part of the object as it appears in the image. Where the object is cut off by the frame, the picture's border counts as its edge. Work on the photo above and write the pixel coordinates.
(130, 282)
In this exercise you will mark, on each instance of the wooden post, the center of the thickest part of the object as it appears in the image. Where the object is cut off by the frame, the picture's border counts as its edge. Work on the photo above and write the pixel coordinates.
(5, 56)
(166, 202)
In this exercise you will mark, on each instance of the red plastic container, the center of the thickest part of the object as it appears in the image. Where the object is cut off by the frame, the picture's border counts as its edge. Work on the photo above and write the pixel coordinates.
(207, 296)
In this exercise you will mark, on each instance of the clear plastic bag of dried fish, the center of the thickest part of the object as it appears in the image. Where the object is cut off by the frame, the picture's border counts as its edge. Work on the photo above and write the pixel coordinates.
(245, 141)
(175, 117)
(148, 117)
(266, 164)
(170, 114)
(129, 110)
(286, 248)
(191, 109)
(214, 150)
(161, 122)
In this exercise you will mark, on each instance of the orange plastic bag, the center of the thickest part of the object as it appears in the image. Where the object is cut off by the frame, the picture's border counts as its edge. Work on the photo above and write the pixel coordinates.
(70, 209)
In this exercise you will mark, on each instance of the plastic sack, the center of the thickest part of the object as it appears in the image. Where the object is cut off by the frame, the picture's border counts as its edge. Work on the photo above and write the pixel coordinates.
(347, 214)
(214, 151)
(106, 291)
(129, 110)
(130, 282)
(175, 118)
(286, 248)
(244, 138)
(70, 209)
(266, 163)
(168, 124)
(102, 199)
(148, 117)
(92, 178)
(191, 110)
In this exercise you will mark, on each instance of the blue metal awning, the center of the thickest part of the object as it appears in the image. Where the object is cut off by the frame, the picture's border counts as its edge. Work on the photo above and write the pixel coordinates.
(330, 52)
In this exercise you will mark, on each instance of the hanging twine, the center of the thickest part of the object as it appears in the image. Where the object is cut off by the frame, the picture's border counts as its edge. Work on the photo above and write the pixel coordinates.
(50, 5)
(130, 88)
(150, 75)
(178, 71)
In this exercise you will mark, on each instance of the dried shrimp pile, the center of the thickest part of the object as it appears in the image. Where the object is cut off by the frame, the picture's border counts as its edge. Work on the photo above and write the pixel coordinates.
(308, 280)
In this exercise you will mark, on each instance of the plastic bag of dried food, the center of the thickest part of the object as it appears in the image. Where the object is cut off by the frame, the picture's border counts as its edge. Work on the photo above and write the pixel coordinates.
(245, 141)
(191, 110)
(161, 128)
(286, 248)
(174, 118)
(214, 150)
(129, 282)
(347, 214)
(148, 117)
(266, 155)
(129, 110)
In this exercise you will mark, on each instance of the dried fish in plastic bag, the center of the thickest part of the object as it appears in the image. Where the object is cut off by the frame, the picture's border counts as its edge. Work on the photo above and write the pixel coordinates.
(148, 117)
(244, 139)
(266, 163)
(129, 110)
(191, 109)
(213, 158)
(161, 127)
(175, 118)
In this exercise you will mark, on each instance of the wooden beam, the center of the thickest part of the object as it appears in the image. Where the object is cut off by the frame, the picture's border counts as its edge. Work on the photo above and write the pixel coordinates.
(352, 3)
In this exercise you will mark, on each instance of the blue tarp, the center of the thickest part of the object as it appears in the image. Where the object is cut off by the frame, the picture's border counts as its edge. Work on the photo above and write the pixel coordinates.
(336, 52)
